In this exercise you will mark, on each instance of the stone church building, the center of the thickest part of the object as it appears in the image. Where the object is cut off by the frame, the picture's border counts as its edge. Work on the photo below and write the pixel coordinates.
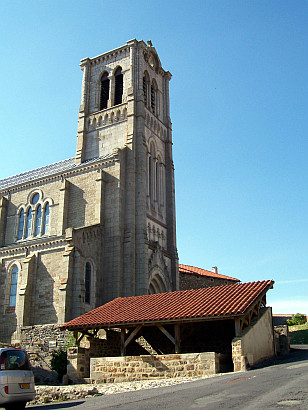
(83, 231)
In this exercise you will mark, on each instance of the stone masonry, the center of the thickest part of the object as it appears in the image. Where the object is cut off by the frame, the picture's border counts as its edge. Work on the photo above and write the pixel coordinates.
(83, 231)
(129, 368)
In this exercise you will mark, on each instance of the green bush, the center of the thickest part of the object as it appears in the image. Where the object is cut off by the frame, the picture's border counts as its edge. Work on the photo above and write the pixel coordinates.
(297, 319)
(59, 362)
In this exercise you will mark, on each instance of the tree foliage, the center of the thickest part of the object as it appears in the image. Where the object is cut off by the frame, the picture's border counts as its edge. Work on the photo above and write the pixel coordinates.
(58, 362)
(297, 319)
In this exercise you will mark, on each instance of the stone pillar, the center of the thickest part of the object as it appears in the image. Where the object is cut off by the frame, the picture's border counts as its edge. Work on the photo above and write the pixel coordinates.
(65, 308)
(99, 198)
(3, 212)
(63, 206)
(82, 112)
(24, 293)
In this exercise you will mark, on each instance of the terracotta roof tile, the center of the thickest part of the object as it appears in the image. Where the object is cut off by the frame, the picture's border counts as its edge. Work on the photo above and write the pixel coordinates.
(203, 272)
(228, 300)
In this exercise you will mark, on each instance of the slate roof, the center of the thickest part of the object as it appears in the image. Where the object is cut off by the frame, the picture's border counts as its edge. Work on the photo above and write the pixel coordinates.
(211, 302)
(202, 272)
(45, 171)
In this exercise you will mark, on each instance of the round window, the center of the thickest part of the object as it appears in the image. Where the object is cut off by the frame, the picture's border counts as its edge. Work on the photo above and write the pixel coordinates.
(34, 199)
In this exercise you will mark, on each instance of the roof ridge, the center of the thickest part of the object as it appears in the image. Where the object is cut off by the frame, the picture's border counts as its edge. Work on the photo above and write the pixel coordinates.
(194, 270)
(36, 169)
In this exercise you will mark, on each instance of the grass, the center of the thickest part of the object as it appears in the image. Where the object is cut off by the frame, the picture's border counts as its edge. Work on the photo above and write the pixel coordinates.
(299, 334)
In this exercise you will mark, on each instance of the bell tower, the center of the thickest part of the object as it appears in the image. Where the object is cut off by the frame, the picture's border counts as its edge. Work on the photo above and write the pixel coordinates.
(124, 114)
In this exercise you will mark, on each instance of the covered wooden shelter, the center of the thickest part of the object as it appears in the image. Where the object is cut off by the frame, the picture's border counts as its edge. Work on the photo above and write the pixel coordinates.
(168, 313)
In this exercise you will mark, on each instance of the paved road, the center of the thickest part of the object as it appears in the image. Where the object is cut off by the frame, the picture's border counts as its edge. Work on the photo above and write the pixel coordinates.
(280, 386)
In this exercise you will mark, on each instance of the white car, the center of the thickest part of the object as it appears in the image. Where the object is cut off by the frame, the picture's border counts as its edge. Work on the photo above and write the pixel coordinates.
(16, 379)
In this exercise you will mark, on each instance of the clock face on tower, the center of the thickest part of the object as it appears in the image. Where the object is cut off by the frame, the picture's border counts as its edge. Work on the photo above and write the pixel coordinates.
(152, 61)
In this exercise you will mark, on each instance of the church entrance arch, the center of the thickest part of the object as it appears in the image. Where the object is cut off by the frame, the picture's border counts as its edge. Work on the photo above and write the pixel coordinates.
(157, 283)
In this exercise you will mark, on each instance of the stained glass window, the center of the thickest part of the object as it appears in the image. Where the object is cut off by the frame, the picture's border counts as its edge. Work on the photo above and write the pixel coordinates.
(46, 219)
(29, 222)
(21, 221)
(88, 283)
(38, 221)
(13, 286)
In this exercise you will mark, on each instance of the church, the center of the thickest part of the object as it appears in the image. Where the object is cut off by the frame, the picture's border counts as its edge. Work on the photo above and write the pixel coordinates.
(87, 232)
(83, 231)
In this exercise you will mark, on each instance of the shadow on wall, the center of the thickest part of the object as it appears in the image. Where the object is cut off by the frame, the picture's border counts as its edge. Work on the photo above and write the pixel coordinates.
(44, 297)
(8, 325)
(77, 207)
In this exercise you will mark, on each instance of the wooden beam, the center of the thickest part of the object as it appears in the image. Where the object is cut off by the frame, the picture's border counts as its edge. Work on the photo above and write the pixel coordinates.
(166, 333)
(177, 334)
(237, 322)
(80, 338)
(132, 335)
(123, 350)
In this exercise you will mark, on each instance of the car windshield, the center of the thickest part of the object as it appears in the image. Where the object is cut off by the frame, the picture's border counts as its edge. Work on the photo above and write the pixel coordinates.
(14, 360)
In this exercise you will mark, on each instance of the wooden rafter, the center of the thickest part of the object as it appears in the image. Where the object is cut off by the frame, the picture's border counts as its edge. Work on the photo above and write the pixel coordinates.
(242, 322)
(83, 334)
(125, 341)
(176, 340)
(166, 333)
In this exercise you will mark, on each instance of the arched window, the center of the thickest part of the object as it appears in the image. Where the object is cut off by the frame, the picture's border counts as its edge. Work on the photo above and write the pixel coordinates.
(87, 281)
(29, 223)
(146, 81)
(38, 221)
(152, 172)
(21, 221)
(104, 91)
(118, 87)
(150, 176)
(35, 198)
(46, 219)
(157, 179)
(13, 286)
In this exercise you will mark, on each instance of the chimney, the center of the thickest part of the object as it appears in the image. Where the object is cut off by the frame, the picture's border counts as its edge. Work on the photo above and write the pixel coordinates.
(214, 269)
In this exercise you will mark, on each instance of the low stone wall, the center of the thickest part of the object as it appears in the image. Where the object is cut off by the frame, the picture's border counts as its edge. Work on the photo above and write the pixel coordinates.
(130, 368)
(282, 339)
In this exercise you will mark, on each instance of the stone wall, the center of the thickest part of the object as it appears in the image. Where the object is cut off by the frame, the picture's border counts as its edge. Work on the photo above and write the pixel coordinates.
(190, 281)
(282, 339)
(39, 341)
(129, 368)
(255, 344)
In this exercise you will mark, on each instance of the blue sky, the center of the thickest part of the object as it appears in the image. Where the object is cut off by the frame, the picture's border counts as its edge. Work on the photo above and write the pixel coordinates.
(239, 103)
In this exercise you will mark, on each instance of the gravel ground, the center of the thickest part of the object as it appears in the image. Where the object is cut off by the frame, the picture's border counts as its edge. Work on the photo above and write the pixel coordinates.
(47, 394)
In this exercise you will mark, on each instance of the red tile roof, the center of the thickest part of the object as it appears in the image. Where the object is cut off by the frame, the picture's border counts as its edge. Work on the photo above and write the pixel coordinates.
(211, 302)
(202, 272)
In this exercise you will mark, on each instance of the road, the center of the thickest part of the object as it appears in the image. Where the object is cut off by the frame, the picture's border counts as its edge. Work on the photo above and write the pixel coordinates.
(281, 386)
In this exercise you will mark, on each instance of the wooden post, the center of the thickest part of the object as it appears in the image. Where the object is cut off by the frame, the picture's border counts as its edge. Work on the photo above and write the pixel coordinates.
(237, 322)
(177, 336)
(123, 349)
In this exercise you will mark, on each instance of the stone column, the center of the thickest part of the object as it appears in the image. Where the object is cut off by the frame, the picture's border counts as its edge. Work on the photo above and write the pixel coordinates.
(3, 212)
(24, 292)
(99, 199)
(63, 206)
(82, 112)
(65, 308)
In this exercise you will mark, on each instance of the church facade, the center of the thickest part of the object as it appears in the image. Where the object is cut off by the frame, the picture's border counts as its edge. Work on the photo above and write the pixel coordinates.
(81, 232)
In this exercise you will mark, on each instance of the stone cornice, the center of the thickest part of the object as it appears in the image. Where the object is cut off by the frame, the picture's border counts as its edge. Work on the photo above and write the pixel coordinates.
(23, 248)
(83, 167)
(105, 57)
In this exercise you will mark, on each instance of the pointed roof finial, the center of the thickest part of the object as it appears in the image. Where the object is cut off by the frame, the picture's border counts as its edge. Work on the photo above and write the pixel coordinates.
(149, 43)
